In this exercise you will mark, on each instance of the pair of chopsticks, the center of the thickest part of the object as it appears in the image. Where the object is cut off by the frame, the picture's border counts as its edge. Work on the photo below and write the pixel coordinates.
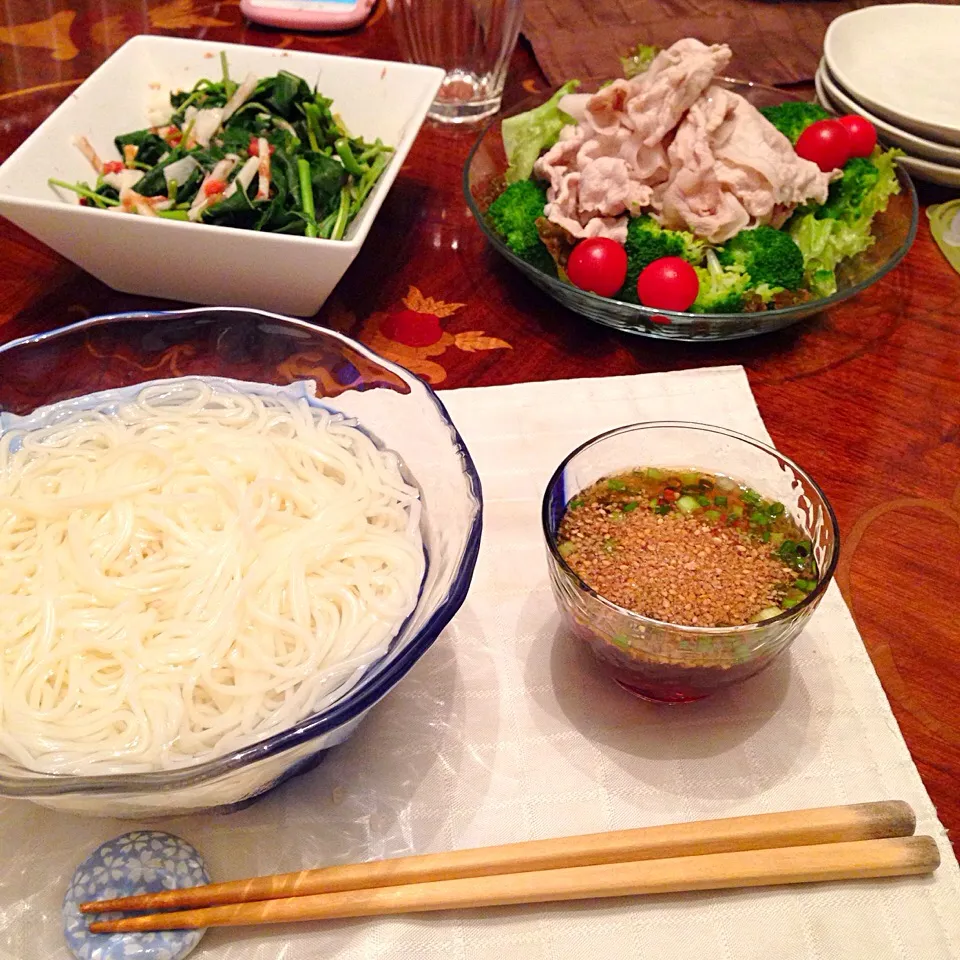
(802, 846)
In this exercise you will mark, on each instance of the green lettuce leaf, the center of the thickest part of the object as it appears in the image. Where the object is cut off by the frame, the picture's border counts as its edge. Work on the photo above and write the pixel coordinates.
(527, 134)
(826, 241)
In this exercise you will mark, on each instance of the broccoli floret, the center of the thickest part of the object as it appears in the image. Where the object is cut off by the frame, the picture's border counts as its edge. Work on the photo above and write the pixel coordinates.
(648, 241)
(722, 289)
(514, 214)
(847, 194)
(793, 117)
(769, 256)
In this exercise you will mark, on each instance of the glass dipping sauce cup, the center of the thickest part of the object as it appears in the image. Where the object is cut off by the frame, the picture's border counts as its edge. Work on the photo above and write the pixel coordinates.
(665, 662)
(471, 39)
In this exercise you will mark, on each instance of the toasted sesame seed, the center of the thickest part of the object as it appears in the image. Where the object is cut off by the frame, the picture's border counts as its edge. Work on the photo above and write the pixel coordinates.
(675, 568)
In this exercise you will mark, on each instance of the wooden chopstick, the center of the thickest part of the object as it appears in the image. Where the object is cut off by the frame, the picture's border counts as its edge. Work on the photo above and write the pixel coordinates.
(795, 828)
(898, 856)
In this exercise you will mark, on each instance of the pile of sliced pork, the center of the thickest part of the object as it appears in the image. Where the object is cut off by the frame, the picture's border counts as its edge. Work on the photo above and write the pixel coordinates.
(674, 143)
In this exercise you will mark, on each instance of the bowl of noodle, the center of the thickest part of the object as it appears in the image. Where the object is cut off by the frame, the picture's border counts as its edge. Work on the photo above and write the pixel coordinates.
(224, 536)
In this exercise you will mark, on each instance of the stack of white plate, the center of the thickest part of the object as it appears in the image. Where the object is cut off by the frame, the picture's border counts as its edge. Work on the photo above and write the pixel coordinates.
(898, 66)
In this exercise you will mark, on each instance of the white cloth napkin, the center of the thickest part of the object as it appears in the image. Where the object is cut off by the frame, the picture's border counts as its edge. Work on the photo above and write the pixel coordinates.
(505, 732)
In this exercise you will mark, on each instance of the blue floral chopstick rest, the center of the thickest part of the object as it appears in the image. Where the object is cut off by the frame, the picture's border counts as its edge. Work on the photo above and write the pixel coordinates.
(143, 861)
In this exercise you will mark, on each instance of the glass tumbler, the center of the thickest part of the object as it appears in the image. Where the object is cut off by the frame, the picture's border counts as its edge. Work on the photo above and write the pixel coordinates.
(471, 39)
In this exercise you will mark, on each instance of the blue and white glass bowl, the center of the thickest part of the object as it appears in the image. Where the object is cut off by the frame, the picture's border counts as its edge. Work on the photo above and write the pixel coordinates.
(394, 405)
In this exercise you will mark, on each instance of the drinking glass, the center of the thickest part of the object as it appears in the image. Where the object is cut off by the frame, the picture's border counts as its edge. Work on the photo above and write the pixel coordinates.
(471, 39)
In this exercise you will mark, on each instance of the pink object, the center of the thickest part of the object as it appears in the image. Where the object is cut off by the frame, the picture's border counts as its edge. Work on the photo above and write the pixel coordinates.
(321, 15)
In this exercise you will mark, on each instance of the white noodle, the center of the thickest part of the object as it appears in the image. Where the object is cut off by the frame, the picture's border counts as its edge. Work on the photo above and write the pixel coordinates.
(189, 572)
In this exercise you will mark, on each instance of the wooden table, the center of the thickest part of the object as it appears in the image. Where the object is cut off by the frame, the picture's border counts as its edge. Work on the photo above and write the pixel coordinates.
(866, 397)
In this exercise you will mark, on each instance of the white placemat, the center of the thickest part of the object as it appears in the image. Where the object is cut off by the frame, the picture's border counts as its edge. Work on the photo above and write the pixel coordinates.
(504, 732)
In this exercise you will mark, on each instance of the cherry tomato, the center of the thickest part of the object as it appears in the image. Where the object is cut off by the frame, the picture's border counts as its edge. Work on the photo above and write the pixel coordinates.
(826, 143)
(669, 283)
(213, 186)
(862, 133)
(598, 265)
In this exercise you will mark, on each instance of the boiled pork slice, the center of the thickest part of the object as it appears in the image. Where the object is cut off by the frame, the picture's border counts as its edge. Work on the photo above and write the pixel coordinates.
(732, 169)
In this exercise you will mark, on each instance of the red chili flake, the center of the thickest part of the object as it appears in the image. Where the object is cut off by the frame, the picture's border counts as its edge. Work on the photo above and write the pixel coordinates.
(112, 166)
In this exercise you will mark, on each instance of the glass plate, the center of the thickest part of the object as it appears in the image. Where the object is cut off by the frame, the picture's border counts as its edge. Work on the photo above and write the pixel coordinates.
(894, 230)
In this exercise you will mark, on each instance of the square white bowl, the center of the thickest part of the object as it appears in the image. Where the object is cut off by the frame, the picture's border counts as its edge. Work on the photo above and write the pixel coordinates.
(201, 263)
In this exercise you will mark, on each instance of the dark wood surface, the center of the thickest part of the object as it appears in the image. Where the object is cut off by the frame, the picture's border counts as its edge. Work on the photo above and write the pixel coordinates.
(866, 397)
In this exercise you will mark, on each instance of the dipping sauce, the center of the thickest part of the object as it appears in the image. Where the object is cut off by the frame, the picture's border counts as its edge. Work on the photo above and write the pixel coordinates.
(687, 547)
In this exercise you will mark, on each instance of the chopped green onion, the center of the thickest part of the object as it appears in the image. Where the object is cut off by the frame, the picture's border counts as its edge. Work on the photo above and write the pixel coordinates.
(759, 518)
(789, 603)
(687, 504)
(751, 497)
(630, 506)
(576, 504)
(662, 508)
(712, 515)
(768, 613)
(736, 511)
(566, 548)
(703, 501)
(654, 474)
(615, 483)
(720, 500)
(775, 509)
(621, 640)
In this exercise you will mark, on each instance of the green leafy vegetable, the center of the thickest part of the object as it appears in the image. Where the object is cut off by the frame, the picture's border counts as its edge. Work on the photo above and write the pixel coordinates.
(526, 135)
(722, 289)
(638, 60)
(845, 230)
(314, 183)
